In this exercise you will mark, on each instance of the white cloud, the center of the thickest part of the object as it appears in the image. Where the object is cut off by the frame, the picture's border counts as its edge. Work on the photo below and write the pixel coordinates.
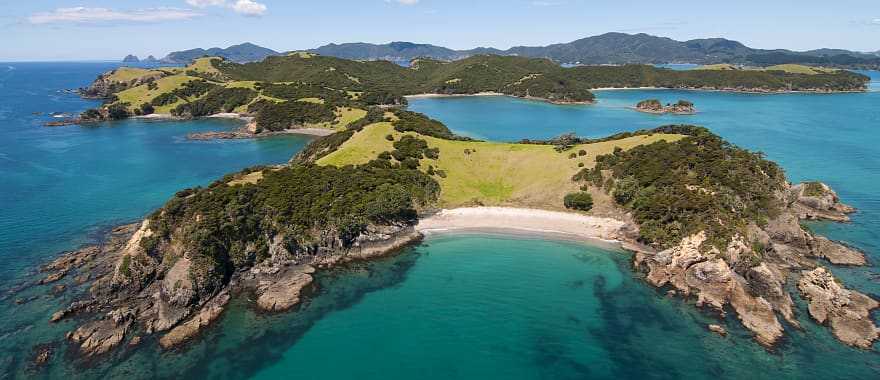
(249, 8)
(403, 2)
(206, 3)
(242, 7)
(84, 15)
(876, 21)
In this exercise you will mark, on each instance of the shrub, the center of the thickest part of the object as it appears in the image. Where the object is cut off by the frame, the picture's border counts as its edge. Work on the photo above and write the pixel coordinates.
(147, 109)
(582, 153)
(118, 111)
(582, 201)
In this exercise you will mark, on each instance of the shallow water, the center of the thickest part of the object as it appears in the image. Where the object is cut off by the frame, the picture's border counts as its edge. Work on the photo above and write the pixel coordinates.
(456, 306)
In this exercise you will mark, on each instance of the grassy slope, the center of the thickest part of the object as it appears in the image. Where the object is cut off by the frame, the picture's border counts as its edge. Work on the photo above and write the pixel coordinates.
(126, 74)
(493, 173)
(788, 68)
(136, 96)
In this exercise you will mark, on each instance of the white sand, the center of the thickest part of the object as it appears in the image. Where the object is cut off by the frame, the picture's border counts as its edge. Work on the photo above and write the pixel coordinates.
(522, 219)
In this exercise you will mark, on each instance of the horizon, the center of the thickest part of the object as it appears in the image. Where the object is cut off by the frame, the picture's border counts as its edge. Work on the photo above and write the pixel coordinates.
(66, 30)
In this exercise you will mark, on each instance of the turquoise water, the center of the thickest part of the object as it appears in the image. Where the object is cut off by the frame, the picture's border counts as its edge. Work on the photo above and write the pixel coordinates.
(456, 306)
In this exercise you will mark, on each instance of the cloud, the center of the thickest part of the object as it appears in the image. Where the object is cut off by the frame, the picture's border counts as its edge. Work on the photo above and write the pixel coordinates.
(242, 7)
(85, 15)
(403, 2)
(875, 21)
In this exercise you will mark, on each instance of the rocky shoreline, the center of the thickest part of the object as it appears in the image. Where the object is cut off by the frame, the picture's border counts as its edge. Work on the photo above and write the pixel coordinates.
(131, 295)
(757, 294)
(654, 107)
(119, 307)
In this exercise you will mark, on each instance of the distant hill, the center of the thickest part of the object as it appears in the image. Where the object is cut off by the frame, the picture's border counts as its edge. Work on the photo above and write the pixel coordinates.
(246, 52)
(608, 48)
(130, 59)
(617, 48)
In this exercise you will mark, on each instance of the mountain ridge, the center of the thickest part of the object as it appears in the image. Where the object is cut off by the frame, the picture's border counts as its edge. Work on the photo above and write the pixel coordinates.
(608, 48)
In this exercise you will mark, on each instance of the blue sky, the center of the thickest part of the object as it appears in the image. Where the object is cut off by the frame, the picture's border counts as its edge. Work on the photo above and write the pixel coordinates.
(95, 29)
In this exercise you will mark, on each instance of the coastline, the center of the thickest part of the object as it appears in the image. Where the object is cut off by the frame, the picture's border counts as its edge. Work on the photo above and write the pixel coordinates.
(526, 221)
(492, 93)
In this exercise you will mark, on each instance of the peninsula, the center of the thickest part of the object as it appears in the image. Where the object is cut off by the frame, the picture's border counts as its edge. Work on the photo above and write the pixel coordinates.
(705, 219)
(304, 90)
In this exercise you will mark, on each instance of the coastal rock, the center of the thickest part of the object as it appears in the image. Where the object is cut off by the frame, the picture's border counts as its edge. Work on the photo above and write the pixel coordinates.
(718, 329)
(53, 277)
(669, 265)
(185, 331)
(846, 312)
(756, 314)
(284, 293)
(816, 200)
(837, 253)
(768, 281)
(682, 107)
(98, 337)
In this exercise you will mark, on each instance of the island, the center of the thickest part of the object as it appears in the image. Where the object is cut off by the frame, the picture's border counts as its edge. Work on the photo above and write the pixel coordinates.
(704, 219)
(307, 91)
(653, 106)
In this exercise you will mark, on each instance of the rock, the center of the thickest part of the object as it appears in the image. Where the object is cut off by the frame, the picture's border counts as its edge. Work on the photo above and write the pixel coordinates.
(135, 340)
(284, 293)
(718, 330)
(73, 308)
(837, 253)
(53, 277)
(816, 200)
(846, 312)
(768, 282)
(183, 332)
(98, 337)
(58, 289)
(756, 314)
(42, 356)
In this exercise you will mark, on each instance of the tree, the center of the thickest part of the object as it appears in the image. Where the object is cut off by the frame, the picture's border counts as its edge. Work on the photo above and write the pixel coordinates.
(578, 201)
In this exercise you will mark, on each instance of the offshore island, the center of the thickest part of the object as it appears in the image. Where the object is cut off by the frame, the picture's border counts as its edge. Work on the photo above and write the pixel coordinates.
(706, 220)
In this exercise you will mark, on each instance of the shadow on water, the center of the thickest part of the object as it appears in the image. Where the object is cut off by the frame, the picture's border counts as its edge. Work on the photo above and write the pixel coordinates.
(338, 289)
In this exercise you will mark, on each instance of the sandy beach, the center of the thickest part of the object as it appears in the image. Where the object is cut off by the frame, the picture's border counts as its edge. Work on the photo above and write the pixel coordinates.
(526, 220)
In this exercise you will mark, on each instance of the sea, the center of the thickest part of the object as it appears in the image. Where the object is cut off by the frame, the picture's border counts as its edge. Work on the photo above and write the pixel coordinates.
(458, 305)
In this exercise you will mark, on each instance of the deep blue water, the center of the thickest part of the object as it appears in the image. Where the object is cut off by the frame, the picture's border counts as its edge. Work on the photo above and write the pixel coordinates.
(456, 306)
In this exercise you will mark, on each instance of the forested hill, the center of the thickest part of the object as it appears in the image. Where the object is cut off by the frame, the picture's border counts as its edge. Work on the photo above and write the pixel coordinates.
(519, 76)
(246, 52)
(618, 48)
(304, 89)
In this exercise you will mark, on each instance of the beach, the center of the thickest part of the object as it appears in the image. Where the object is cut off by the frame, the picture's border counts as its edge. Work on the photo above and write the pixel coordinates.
(530, 221)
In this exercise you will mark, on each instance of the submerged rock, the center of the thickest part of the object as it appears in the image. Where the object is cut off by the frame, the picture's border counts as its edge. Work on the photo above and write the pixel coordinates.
(285, 292)
(718, 329)
(837, 253)
(98, 337)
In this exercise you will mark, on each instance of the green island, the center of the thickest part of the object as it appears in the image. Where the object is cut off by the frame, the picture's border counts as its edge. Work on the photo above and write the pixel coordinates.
(705, 220)
(308, 91)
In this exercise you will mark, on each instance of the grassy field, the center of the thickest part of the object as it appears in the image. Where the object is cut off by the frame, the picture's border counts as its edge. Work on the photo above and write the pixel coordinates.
(344, 117)
(203, 65)
(789, 68)
(491, 173)
(127, 74)
(136, 96)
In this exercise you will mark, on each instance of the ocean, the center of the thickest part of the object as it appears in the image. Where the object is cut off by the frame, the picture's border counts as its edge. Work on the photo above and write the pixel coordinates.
(455, 306)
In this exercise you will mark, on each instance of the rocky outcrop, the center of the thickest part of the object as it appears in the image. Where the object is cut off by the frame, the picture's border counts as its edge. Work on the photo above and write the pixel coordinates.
(816, 200)
(98, 337)
(135, 288)
(187, 330)
(837, 253)
(846, 312)
(285, 291)
(753, 281)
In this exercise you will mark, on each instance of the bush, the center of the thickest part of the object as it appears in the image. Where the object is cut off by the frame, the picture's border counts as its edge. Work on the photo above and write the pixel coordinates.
(147, 109)
(582, 201)
(118, 111)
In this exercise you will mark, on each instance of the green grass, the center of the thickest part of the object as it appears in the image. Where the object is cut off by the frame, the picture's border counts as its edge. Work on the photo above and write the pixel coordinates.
(788, 68)
(490, 173)
(127, 74)
(136, 96)
(344, 117)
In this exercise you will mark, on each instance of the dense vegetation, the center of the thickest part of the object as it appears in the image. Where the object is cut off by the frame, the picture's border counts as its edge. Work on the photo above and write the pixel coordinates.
(415, 122)
(225, 227)
(274, 116)
(581, 200)
(215, 101)
(698, 183)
